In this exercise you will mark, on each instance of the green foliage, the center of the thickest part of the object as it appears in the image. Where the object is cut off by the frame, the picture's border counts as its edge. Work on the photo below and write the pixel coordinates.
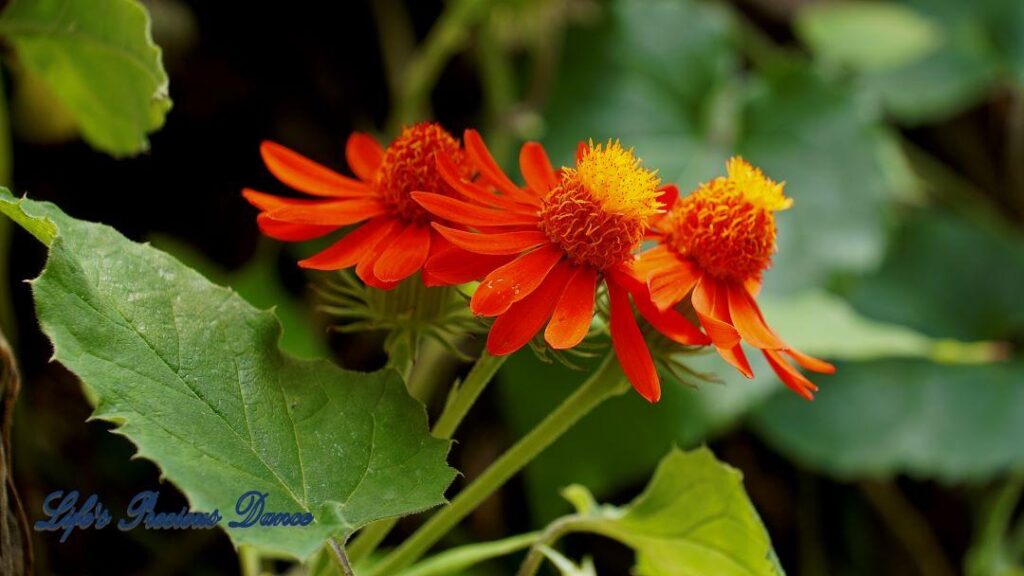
(867, 35)
(905, 416)
(191, 373)
(693, 518)
(100, 62)
(949, 277)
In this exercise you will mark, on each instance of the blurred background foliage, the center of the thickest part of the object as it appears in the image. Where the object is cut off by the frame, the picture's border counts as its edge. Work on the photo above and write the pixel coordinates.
(898, 127)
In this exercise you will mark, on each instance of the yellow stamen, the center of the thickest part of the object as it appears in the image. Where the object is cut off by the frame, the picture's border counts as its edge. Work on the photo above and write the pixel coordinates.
(613, 177)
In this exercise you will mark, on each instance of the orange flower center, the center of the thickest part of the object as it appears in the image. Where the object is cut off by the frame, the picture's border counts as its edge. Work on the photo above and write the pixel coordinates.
(728, 225)
(598, 212)
(409, 166)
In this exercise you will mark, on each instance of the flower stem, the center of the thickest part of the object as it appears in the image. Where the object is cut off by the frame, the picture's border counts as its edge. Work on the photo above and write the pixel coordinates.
(606, 382)
(339, 555)
(460, 400)
(250, 561)
(552, 534)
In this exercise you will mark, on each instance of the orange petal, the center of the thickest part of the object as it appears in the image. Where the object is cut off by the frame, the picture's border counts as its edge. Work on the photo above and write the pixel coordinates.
(747, 319)
(457, 266)
(514, 281)
(672, 324)
(404, 255)
(331, 213)
(289, 232)
(710, 303)
(810, 362)
(506, 243)
(470, 190)
(308, 176)
(513, 329)
(629, 345)
(364, 156)
(490, 170)
(350, 250)
(654, 260)
(790, 376)
(470, 214)
(671, 284)
(266, 202)
(372, 253)
(536, 168)
(575, 309)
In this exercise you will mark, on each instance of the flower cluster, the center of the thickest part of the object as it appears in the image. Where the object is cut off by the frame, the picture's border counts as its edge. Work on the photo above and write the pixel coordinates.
(545, 251)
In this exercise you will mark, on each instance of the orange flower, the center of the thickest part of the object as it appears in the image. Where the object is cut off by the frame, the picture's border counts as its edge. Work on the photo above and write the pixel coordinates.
(543, 249)
(396, 238)
(715, 244)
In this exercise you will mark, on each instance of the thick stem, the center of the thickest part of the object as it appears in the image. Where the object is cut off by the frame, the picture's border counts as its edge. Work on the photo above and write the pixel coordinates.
(460, 400)
(607, 382)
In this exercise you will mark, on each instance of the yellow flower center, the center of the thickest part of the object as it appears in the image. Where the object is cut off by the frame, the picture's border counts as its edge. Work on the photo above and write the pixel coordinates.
(598, 212)
(409, 166)
(728, 225)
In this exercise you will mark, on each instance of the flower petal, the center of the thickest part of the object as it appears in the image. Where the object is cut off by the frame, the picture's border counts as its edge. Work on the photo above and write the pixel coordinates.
(289, 232)
(671, 324)
(575, 309)
(266, 202)
(364, 155)
(331, 213)
(490, 170)
(514, 281)
(536, 168)
(457, 266)
(352, 247)
(471, 214)
(505, 243)
(747, 319)
(513, 329)
(667, 195)
(471, 190)
(372, 253)
(790, 376)
(711, 305)
(630, 347)
(810, 362)
(405, 255)
(670, 285)
(308, 176)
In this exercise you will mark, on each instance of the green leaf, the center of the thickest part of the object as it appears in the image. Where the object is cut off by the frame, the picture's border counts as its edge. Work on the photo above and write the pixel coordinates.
(950, 422)
(100, 61)
(948, 277)
(867, 35)
(693, 518)
(191, 373)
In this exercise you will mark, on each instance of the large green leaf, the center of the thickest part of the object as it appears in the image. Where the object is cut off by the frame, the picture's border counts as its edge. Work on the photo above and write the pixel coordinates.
(948, 277)
(100, 61)
(693, 518)
(867, 35)
(952, 422)
(192, 374)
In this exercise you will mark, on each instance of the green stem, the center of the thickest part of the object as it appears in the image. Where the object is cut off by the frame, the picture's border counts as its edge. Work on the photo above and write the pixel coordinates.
(444, 39)
(606, 382)
(551, 534)
(908, 525)
(460, 400)
(340, 557)
(249, 559)
(458, 559)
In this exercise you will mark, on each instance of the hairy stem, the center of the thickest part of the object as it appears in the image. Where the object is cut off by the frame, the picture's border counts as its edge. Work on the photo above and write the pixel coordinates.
(341, 557)
(606, 382)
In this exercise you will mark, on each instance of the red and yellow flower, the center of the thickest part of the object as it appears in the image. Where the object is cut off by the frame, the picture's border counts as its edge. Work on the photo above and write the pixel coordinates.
(395, 237)
(713, 247)
(543, 249)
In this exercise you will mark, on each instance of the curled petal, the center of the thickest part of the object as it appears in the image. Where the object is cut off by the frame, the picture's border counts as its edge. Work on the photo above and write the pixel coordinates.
(364, 155)
(308, 176)
(748, 320)
(575, 309)
(501, 244)
(809, 362)
(790, 376)
(514, 281)
(712, 309)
